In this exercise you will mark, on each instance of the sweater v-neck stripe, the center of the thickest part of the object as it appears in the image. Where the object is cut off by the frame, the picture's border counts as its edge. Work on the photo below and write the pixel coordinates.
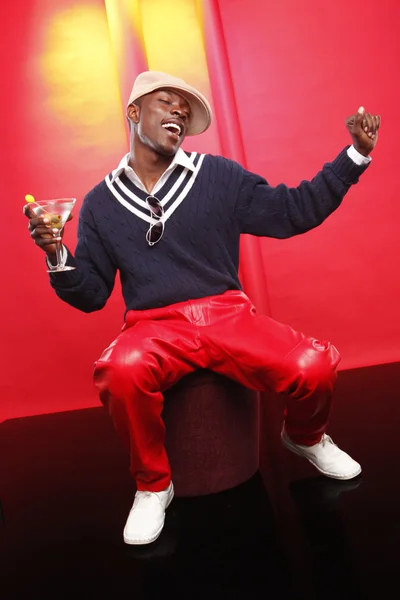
(173, 192)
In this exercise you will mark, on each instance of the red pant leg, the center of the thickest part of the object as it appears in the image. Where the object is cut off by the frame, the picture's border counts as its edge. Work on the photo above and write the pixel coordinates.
(263, 354)
(130, 377)
(223, 333)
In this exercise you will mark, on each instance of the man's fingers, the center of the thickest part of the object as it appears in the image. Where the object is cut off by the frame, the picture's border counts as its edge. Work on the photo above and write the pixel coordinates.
(43, 239)
(375, 120)
(374, 126)
(38, 237)
(367, 120)
(359, 116)
(38, 222)
(38, 231)
(27, 211)
(370, 123)
(41, 242)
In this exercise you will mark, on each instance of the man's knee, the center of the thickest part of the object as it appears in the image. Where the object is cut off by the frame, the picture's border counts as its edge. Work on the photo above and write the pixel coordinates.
(122, 368)
(310, 366)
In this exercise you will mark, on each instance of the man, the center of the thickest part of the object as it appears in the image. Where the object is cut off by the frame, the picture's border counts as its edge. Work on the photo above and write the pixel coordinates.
(170, 223)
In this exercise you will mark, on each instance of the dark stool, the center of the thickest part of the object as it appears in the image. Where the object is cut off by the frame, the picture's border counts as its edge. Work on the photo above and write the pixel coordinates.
(212, 437)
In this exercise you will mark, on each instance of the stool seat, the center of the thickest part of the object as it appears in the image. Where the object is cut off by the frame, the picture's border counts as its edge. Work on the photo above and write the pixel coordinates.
(212, 433)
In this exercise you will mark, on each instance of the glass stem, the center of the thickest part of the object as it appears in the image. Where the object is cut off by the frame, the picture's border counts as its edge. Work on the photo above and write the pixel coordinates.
(59, 254)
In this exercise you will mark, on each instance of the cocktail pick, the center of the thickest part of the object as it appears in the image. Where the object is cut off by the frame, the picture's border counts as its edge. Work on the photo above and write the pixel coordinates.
(29, 198)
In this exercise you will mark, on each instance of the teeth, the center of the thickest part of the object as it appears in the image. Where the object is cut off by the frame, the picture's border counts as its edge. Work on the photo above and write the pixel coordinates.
(173, 126)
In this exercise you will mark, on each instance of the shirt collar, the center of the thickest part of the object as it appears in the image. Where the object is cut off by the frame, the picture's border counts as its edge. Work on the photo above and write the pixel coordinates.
(180, 158)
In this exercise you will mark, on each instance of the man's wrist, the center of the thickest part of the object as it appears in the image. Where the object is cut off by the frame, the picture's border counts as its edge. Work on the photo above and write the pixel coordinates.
(361, 151)
(357, 157)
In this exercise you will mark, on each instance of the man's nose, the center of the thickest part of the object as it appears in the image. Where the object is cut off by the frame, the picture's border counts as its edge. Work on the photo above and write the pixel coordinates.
(176, 110)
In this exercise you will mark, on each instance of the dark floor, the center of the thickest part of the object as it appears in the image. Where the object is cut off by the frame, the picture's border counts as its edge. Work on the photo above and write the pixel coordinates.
(65, 493)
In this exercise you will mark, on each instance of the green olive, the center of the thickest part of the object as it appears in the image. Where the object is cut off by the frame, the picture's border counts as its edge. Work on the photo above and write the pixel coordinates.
(56, 221)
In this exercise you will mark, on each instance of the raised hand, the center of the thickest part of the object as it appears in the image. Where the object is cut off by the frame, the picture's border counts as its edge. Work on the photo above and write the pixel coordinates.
(363, 128)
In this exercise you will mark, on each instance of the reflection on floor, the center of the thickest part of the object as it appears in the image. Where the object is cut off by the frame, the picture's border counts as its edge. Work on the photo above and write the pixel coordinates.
(65, 494)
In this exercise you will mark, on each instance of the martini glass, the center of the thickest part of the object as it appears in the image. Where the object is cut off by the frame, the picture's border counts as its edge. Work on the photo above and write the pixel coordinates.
(57, 211)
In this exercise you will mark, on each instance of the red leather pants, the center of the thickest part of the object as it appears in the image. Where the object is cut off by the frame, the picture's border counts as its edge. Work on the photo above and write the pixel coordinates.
(225, 334)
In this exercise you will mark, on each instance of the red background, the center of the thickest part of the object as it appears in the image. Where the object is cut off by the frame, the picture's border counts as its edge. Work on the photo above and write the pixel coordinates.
(295, 70)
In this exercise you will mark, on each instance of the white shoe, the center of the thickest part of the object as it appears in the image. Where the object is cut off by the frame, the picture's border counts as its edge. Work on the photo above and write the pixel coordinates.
(326, 457)
(146, 518)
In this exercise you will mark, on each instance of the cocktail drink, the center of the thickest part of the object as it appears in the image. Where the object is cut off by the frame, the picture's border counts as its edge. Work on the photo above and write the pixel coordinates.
(57, 211)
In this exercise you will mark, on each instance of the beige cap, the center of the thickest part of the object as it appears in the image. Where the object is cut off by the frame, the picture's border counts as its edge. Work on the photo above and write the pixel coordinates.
(150, 81)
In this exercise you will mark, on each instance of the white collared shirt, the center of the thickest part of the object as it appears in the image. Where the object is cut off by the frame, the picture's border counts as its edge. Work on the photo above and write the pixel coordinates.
(180, 158)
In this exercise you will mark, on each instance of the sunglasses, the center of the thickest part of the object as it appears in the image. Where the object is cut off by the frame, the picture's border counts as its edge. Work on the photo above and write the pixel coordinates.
(156, 230)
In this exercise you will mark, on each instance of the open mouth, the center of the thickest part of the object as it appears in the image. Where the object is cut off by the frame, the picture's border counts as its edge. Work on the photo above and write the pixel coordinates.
(173, 128)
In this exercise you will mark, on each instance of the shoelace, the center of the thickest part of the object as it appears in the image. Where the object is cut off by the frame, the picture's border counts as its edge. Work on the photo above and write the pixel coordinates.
(326, 439)
(143, 495)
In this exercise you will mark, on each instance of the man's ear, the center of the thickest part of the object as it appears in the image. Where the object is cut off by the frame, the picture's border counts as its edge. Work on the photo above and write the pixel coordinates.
(133, 113)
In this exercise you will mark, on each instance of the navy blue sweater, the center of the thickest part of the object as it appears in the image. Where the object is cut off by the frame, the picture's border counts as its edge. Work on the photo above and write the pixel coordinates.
(206, 212)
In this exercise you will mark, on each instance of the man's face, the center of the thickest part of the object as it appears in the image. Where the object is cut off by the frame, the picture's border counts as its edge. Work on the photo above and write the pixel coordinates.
(163, 121)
